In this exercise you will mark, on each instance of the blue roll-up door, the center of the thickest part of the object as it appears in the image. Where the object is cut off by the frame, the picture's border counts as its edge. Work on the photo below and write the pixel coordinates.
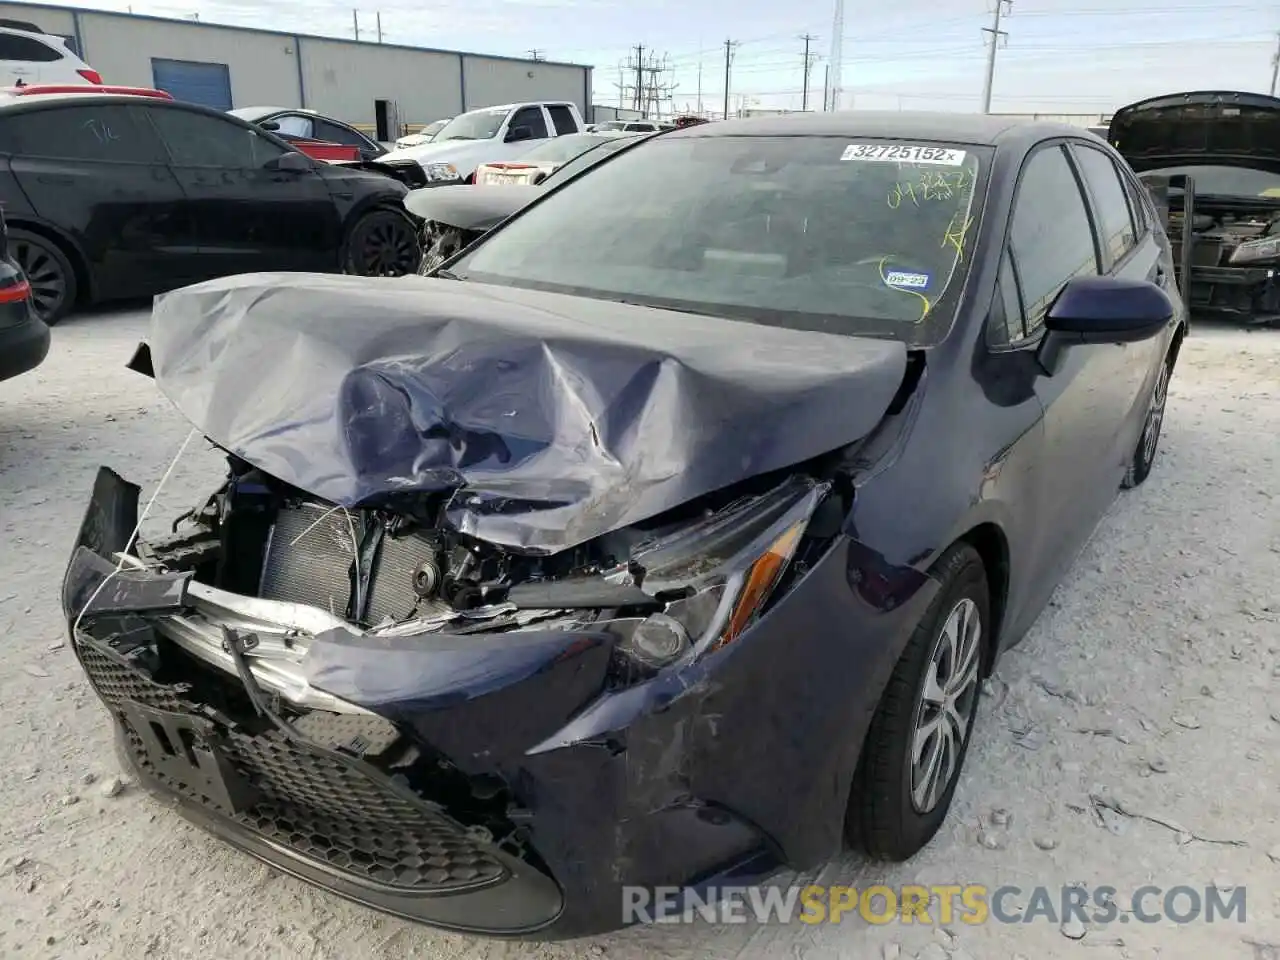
(208, 84)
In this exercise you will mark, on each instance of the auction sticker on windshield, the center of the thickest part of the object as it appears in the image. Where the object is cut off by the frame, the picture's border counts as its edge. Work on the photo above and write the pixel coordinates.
(903, 153)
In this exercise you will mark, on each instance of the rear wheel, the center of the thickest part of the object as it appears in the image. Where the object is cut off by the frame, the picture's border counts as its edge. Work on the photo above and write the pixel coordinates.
(920, 733)
(48, 271)
(382, 243)
(1144, 457)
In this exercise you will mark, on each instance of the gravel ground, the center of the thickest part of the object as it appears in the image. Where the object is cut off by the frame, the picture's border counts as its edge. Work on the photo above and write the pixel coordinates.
(1152, 681)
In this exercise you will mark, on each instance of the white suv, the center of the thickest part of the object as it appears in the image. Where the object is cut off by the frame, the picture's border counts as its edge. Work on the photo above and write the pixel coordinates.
(29, 55)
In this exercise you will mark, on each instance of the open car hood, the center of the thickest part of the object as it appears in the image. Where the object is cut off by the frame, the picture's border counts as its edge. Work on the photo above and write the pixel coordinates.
(474, 207)
(1209, 127)
(555, 419)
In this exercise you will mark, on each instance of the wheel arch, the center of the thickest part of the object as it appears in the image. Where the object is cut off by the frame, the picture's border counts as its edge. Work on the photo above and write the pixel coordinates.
(992, 545)
(85, 286)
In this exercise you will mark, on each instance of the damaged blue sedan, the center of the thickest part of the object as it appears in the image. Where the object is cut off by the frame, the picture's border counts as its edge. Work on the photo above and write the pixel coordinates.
(662, 548)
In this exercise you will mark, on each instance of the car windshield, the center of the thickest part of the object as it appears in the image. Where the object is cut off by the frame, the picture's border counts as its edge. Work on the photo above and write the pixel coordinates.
(610, 125)
(1224, 181)
(560, 149)
(815, 233)
(431, 129)
(480, 125)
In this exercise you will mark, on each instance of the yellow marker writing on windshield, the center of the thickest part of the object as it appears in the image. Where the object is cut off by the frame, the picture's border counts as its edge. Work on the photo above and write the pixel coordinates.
(955, 235)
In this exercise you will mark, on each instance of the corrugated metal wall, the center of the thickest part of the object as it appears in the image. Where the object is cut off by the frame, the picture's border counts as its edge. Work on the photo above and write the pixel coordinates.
(342, 78)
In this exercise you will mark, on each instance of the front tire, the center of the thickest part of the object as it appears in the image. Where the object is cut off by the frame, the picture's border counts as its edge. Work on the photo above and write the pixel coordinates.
(48, 271)
(921, 730)
(382, 243)
(1144, 457)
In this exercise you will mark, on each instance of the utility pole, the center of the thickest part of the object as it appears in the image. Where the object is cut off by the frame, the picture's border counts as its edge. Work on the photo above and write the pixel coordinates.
(355, 22)
(536, 55)
(1275, 67)
(996, 36)
(837, 55)
(808, 66)
(826, 88)
(379, 22)
(729, 47)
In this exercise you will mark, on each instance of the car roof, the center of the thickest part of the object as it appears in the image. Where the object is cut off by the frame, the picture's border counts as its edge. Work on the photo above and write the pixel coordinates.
(973, 129)
(14, 103)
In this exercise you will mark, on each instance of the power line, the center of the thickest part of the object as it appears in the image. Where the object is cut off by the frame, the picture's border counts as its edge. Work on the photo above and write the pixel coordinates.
(996, 36)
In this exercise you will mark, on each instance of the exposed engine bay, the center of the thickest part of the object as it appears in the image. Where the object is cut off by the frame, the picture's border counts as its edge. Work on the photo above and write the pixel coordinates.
(1234, 257)
(668, 588)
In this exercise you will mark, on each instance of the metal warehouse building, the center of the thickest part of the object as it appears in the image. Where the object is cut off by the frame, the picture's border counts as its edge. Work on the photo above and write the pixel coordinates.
(369, 84)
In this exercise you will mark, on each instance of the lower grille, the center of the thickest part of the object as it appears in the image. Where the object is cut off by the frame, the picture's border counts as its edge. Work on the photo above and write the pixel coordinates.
(321, 806)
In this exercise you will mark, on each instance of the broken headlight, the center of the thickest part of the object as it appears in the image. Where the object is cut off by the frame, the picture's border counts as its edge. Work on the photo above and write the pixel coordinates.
(716, 575)
(1256, 251)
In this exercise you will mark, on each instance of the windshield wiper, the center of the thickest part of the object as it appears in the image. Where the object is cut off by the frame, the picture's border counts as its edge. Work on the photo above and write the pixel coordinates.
(446, 275)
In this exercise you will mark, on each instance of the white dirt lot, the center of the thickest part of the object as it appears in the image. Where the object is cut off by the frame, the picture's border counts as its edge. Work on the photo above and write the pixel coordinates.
(1151, 683)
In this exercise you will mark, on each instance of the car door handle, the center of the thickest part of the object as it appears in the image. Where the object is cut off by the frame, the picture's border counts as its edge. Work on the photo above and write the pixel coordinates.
(59, 179)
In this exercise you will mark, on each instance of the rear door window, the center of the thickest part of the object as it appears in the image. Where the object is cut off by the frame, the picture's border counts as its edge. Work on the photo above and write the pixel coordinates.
(336, 133)
(200, 140)
(294, 125)
(90, 133)
(1111, 202)
(562, 118)
(14, 47)
(530, 117)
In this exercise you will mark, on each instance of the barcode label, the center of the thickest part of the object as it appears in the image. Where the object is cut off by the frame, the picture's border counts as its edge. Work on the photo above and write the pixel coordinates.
(903, 153)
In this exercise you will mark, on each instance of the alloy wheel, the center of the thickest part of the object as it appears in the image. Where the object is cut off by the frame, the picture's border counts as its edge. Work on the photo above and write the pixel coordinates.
(1155, 415)
(388, 248)
(44, 274)
(946, 705)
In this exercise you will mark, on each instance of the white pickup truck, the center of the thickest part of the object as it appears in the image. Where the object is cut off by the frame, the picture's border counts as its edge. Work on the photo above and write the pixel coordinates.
(480, 136)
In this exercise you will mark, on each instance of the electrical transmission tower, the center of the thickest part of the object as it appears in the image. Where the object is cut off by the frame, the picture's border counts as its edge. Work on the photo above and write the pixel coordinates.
(834, 88)
(643, 83)
(997, 36)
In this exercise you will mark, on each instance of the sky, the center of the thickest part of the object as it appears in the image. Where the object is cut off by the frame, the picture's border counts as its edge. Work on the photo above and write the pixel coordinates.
(1058, 57)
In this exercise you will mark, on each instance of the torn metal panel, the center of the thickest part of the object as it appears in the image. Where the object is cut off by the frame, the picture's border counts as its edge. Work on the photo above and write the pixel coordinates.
(556, 419)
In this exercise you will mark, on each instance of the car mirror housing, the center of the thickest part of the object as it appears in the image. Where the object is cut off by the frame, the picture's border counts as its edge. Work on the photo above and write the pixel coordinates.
(289, 163)
(1109, 310)
(516, 134)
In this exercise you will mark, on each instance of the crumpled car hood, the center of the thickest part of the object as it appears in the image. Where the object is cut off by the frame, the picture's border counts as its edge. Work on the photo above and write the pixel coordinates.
(475, 207)
(555, 418)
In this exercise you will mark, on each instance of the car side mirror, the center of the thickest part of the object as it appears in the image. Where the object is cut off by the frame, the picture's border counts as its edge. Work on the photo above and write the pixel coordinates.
(271, 125)
(1104, 310)
(516, 134)
(288, 163)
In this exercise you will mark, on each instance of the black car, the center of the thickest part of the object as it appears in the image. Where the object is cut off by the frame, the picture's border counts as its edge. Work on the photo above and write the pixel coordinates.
(112, 196)
(24, 337)
(292, 125)
(456, 215)
(1214, 158)
(667, 547)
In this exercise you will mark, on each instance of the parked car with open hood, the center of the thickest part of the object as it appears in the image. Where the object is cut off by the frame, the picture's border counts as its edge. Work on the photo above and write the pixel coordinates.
(1214, 159)
(453, 217)
(116, 194)
(481, 136)
(663, 547)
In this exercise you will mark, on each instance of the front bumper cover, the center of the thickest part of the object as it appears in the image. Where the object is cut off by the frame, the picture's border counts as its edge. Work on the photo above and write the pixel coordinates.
(671, 782)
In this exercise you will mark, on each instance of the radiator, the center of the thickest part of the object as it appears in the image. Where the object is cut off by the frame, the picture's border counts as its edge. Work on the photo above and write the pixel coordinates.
(317, 569)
